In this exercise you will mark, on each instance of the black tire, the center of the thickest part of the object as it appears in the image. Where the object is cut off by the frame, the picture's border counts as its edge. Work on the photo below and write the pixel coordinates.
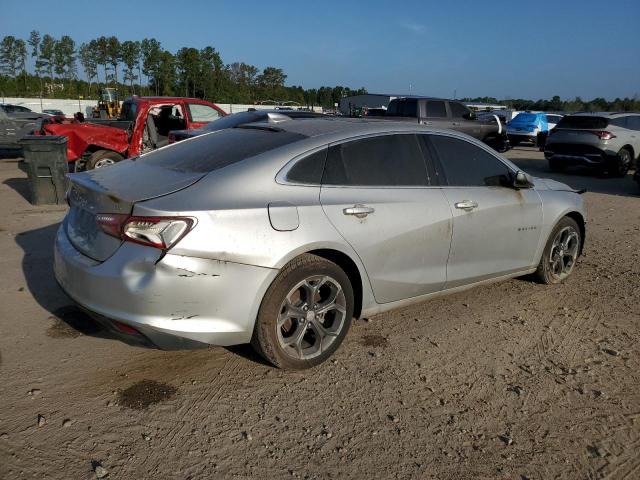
(545, 273)
(101, 157)
(267, 336)
(620, 164)
(556, 166)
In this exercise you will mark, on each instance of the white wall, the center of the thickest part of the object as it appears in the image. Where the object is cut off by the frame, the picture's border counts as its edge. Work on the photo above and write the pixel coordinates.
(70, 106)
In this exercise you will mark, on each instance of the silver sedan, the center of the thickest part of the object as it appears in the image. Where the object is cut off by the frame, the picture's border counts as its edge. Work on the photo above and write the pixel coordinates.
(281, 234)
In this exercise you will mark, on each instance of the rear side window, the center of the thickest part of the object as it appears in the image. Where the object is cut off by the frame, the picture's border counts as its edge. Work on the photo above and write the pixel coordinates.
(308, 169)
(202, 113)
(621, 122)
(436, 109)
(403, 108)
(389, 160)
(582, 121)
(467, 165)
(633, 122)
(458, 110)
(219, 149)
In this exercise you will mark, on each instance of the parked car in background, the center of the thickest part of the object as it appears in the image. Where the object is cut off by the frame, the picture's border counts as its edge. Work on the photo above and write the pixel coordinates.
(9, 109)
(608, 141)
(526, 127)
(235, 119)
(451, 114)
(143, 125)
(280, 234)
(53, 111)
(16, 124)
(552, 121)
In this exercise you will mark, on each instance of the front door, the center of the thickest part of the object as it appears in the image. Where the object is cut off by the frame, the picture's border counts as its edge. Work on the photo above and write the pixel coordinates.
(376, 192)
(496, 228)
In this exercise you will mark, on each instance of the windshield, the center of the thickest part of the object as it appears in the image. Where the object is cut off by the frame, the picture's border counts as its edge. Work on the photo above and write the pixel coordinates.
(217, 150)
(583, 121)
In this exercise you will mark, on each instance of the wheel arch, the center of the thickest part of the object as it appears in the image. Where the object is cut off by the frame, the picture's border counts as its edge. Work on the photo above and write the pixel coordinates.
(347, 264)
(579, 219)
(629, 148)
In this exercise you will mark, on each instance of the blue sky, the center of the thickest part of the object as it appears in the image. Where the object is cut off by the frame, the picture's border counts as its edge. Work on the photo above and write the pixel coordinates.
(506, 49)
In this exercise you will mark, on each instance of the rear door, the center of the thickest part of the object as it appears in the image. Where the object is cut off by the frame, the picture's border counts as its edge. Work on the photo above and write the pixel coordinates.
(435, 114)
(377, 193)
(496, 228)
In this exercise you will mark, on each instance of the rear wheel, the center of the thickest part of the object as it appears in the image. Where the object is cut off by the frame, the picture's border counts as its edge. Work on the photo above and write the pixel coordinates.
(560, 253)
(620, 164)
(103, 158)
(305, 314)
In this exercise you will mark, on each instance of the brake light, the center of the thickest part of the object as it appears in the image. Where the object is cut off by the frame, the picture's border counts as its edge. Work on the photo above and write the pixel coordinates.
(157, 232)
(604, 135)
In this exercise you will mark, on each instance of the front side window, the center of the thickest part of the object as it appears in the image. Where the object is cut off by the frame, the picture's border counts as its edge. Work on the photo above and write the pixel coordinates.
(458, 110)
(436, 109)
(202, 113)
(467, 165)
(389, 160)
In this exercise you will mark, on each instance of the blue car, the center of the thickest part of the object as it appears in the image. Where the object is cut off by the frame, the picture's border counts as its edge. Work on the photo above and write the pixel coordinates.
(526, 126)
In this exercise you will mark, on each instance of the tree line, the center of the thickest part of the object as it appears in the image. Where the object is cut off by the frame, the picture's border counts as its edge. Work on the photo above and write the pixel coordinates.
(144, 68)
(556, 104)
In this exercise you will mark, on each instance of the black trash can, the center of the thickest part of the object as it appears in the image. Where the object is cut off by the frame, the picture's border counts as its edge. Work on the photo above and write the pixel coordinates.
(46, 165)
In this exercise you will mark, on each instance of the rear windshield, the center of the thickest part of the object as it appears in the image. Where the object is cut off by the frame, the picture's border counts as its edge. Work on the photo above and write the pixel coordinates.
(582, 121)
(233, 120)
(525, 118)
(129, 111)
(216, 150)
(402, 108)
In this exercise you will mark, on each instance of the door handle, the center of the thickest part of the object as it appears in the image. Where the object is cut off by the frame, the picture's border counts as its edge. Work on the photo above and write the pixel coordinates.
(466, 205)
(359, 211)
(427, 123)
(455, 124)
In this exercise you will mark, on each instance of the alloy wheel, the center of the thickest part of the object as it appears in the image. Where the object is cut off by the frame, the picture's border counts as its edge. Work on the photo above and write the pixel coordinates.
(311, 317)
(564, 252)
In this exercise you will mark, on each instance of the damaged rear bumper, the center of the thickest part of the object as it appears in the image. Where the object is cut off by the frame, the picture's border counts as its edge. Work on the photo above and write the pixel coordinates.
(172, 301)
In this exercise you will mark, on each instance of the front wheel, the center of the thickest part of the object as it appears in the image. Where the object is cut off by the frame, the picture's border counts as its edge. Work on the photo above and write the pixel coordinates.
(305, 314)
(103, 158)
(560, 253)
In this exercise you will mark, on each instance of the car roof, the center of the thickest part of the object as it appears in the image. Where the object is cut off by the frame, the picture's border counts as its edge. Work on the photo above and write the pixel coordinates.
(340, 127)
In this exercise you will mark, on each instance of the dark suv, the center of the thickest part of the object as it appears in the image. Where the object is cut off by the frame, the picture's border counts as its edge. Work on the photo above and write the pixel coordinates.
(452, 114)
(605, 140)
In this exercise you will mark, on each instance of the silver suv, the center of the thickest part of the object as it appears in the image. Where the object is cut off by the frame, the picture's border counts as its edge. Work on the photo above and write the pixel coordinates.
(606, 140)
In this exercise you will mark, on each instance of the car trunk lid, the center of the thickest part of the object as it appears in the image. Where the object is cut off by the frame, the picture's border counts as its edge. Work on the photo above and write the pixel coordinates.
(115, 189)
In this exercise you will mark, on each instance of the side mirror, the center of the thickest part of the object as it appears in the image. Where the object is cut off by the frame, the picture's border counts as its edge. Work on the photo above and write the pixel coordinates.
(522, 180)
(469, 115)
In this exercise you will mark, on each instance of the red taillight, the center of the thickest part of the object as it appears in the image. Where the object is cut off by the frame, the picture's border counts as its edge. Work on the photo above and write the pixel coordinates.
(157, 232)
(604, 135)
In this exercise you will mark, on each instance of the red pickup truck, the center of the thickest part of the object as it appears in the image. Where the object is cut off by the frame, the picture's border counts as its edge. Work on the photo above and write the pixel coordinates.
(143, 125)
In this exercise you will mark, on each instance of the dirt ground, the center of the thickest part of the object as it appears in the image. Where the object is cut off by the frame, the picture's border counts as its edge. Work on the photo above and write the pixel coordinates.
(509, 381)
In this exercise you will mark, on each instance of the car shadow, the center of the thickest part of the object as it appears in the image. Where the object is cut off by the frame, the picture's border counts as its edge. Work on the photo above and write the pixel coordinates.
(37, 266)
(576, 177)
